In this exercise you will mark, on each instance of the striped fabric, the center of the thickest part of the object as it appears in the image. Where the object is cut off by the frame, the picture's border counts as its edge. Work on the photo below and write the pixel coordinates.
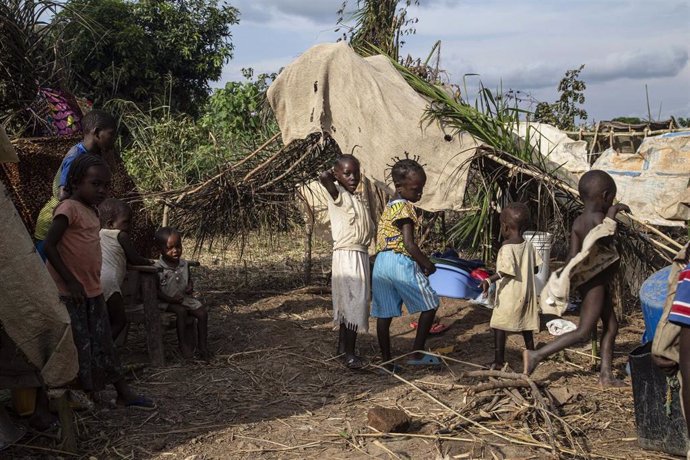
(397, 279)
(680, 310)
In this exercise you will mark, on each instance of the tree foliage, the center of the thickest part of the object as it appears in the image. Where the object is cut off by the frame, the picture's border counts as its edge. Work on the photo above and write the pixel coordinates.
(30, 55)
(567, 108)
(238, 112)
(629, 120)
(142, 49)
(381, 23)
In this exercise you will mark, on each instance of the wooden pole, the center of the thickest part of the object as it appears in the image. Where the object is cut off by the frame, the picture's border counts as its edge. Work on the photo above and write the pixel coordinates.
(308, 234)
(565, 187)
(152, 315)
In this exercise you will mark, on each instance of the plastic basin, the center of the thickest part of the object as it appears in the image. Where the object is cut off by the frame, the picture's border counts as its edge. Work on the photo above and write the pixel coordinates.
(652, 299)
(449, 281)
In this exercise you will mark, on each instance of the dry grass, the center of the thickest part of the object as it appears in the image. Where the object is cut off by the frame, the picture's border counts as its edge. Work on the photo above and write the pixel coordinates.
(276, 390)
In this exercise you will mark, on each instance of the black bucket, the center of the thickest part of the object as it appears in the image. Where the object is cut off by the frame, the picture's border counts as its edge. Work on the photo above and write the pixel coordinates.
(655, 429)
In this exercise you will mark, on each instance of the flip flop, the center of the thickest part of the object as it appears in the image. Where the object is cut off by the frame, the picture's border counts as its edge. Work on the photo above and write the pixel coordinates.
(53, 431)
(426, 360)
(355, 363)
(140, 403)
(436, 328)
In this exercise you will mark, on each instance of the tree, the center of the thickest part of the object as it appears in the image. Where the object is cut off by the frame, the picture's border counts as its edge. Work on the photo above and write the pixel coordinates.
(28, 58)
(151, 52)
(379, 23)
(566, 109)
(237, 112)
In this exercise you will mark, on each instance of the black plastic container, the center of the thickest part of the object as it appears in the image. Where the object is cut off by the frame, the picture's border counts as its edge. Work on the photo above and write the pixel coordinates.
(655, 430)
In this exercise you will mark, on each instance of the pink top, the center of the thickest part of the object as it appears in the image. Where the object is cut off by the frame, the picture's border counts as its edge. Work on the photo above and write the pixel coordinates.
(80, 247)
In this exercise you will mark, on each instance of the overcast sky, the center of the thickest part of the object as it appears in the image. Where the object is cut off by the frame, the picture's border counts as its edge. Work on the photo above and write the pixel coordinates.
(526, 44)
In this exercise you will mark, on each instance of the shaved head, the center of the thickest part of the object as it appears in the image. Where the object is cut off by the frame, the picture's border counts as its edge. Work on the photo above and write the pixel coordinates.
(343, 159)
(516, 214)
(594, 183)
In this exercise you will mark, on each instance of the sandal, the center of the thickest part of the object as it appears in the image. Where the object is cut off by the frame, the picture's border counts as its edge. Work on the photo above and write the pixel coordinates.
(436, 328)
(355, 362)
(53, 431)
(426, 360)
(140, 402)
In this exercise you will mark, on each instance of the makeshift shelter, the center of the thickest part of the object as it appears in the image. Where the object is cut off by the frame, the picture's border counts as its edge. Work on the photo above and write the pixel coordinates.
(368, 108)
(35, 323)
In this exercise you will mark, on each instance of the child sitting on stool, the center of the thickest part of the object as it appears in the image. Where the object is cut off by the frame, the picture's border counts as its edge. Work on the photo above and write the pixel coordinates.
(175, 293)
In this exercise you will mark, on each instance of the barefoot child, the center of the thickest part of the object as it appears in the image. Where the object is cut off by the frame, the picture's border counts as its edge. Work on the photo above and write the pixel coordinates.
(352, 230)
(118, 250)
(516, 307)
(74, 261)
(591, 267)
(175, 291)
(401, 268)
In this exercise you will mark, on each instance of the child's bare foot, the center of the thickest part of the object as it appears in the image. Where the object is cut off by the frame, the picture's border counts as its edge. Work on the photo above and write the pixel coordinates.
(609, 381)
(205, 355)
(494, 366)
(186, 352)
(529, 362)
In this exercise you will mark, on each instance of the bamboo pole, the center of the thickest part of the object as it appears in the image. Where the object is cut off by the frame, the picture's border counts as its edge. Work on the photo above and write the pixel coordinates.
(645, 133)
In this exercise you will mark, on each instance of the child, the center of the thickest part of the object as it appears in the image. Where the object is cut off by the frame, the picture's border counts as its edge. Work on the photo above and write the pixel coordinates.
(352, 230)
(671, 347)
(516, 307)
(175, 291)
(99, 137)
(74, 261)
(118, 250)
(597, 191)
(401, 269)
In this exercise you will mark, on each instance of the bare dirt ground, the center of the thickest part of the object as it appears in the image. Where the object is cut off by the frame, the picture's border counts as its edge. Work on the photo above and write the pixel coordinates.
(275, 389)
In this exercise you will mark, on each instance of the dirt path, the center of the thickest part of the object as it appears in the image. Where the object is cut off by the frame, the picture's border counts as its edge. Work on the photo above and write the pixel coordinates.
(275, 390)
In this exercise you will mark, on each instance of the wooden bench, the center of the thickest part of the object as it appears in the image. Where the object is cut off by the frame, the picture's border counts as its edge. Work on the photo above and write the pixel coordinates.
(141, 288)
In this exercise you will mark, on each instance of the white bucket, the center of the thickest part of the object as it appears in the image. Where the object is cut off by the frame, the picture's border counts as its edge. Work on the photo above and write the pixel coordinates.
(541, 241)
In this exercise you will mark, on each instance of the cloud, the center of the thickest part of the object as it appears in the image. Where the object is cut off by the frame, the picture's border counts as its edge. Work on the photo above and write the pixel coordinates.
(316, 12)
(632, 65)
(638, 64)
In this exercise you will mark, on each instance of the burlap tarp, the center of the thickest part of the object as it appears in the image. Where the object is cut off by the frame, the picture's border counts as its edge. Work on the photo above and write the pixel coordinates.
(30, 310)
(7, 153)
(654, 180)
(366, 106)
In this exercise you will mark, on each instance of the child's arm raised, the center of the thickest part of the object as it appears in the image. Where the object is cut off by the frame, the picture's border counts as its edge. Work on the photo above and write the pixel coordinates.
(133, 257)
(327, 179)
(55, 234)
(407, 229)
